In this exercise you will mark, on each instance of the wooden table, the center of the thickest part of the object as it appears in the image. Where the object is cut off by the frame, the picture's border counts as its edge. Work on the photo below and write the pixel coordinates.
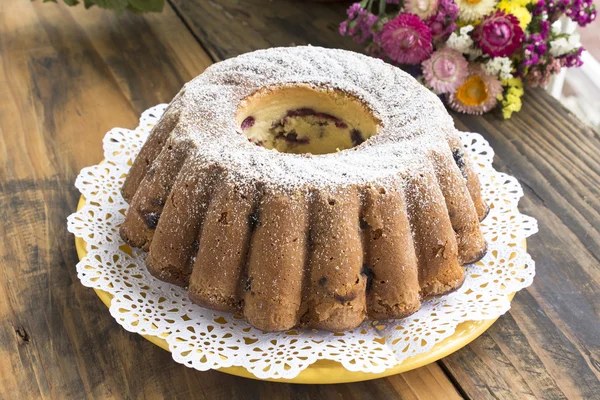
(68, 75)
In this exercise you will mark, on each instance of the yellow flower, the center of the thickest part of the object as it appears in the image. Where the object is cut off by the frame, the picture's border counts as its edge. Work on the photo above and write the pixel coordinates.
(509, 109)
(473, 92)
(513, 83)
(518, 9)
(512, 99)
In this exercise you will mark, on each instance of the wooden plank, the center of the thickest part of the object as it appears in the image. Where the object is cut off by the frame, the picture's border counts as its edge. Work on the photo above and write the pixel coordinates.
(259, 24)
(67, 76)
(553, 347)
(550, 152)
(62, 88)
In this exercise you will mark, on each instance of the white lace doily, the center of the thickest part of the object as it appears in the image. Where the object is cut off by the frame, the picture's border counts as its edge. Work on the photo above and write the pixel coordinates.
(205, 339)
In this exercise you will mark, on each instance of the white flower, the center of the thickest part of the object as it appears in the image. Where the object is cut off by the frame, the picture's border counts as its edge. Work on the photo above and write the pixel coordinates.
(565, 45)
(499, 66)
(472, 10)
(463, 42)
(556, 27)
(422, 8)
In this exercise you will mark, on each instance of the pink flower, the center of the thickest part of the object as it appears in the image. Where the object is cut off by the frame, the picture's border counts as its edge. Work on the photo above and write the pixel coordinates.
(445, 70)
(540, 76)
(499, 34)
(406, 39)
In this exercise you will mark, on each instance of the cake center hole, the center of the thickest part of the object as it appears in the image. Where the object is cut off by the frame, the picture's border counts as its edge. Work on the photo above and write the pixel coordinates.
(304, 120)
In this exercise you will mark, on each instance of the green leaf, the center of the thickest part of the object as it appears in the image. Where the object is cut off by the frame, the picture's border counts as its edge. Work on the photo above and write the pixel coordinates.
(119, 5)
(134, 10)
(88, 3)
(48, 1)
(148, 5)
(382, 4)
(71, 2)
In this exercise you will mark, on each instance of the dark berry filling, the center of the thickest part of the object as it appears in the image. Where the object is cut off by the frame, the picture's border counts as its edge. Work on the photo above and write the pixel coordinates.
(248, 123)
(356, 137)
(151, 219)
(260, 143)
(303, 129)
(347, 298)
(368, 272)
(292, 137)
(157, 202)
(301, 112)
(460, 161)
(305, 112)
(363, 224)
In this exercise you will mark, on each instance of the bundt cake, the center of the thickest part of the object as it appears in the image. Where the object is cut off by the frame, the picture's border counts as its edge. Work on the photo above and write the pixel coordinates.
(306, 187)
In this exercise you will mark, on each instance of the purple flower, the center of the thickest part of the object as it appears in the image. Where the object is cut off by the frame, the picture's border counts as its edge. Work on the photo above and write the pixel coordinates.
(545, 29)
(354, 10)
(535, 49)
(359, 23)
(443, 23)
(574, 59)
(581, 11)
(343, 28)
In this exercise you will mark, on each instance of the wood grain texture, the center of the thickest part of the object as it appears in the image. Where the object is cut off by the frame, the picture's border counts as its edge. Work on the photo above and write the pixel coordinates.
(548, 346)
(66, 77)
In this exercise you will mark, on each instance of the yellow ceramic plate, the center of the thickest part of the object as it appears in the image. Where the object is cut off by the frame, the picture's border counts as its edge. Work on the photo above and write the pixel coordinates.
(327, 371)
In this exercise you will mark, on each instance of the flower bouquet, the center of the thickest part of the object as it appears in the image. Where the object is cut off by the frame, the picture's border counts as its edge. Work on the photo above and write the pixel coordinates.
(475, 54)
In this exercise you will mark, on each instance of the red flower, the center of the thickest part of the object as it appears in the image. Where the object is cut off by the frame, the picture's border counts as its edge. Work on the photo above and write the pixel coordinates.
(499, 34)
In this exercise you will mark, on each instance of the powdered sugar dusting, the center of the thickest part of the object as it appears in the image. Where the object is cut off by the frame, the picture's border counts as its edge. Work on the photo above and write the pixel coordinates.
(413, 120)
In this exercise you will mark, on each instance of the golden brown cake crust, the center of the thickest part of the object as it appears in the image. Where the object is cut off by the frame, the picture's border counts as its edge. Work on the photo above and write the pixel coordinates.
(336, 299)
(276, 262)
(222, 248)
(390, 261)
